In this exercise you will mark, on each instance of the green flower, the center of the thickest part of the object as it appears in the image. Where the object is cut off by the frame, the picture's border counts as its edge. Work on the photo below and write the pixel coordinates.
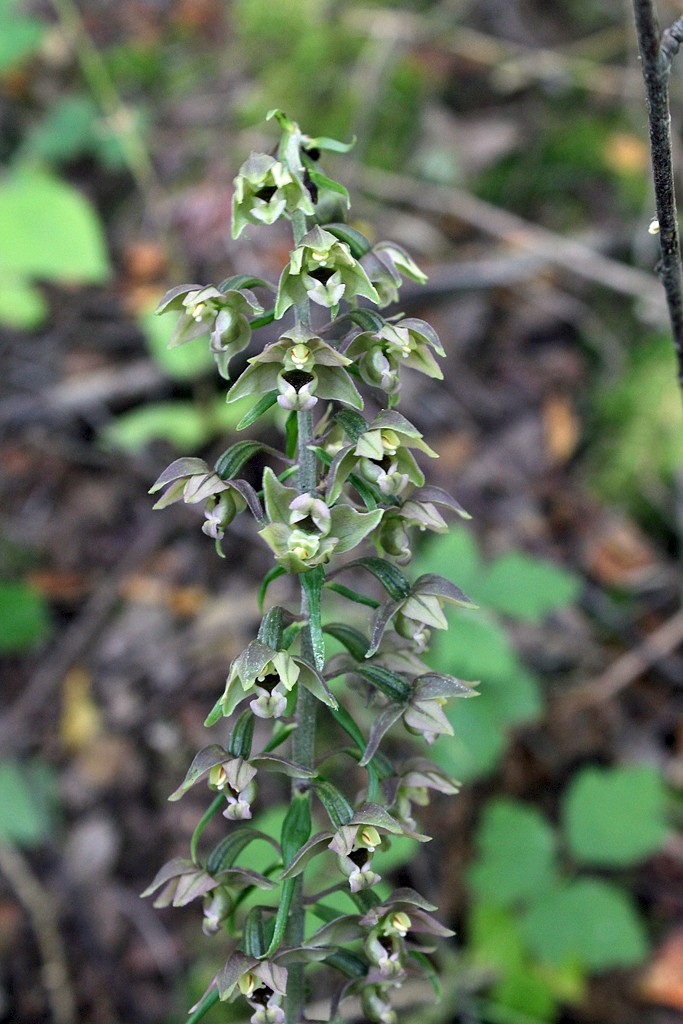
(381, 456)
(418, 612)
(418, 509)
(268, 677)
(304, 532)
(265, 189)
(381, 354)
(192, 481)
(223, 313)
(322, 269)
(384, 264)
(302, 368)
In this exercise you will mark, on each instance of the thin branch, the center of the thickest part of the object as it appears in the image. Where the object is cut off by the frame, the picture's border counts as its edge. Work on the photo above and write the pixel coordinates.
(574, 256)
(656, 52)
(42, 912)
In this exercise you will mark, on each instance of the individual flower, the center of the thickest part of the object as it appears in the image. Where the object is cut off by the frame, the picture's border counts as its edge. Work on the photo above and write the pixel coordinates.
(303, 531)
(380, 455)
(265, 189)
(223, 313)
(380, 354)
(263, 983)
(416, 778)
(419, 611)
(268, 677)
(354, 844)
(181, 881)
(417, 509)
(192, 481)
(384, 264)
(376, 1006)
(218, 906)
(302, 368)
(322, 269)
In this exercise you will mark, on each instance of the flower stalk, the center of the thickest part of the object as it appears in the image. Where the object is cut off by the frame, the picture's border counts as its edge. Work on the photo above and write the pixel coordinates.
(347, 481)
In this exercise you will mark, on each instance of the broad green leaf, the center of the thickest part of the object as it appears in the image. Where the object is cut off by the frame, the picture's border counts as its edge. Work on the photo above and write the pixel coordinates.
(20, 35)
(21, 304)
(516, 853)
(494, 938)
(67, 130)
(477, 648)
(513, 584)
(527, 992)
(184, 362)
(49, 231)
(184, 425)
(587, 922)
(526, 588)
(24, 618)
(615, 817)
(26, 794)
(179, 423)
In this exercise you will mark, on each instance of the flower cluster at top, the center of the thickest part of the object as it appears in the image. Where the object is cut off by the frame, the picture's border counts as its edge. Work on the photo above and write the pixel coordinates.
(347, 478)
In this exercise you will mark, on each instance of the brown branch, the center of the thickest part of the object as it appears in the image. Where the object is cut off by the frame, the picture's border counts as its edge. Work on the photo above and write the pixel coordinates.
(42, 912)
(656, 52)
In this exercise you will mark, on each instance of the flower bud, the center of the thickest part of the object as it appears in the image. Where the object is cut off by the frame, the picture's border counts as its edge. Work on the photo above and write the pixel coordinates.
(376, 1007)
(217, 907)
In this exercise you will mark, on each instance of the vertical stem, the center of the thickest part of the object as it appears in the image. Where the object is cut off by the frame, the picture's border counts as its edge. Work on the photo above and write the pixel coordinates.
(656, 62)
(303, 737)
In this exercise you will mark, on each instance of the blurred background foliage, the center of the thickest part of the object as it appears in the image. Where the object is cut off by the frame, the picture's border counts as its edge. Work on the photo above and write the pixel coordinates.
(121, 127)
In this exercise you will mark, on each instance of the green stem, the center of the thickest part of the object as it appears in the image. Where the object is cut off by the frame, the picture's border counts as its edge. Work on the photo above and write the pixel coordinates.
(303, 737)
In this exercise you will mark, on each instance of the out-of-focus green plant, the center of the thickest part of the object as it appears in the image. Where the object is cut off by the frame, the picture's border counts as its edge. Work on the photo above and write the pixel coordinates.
(513, 586)
(638, 444)
(303, 896)
(542, 929)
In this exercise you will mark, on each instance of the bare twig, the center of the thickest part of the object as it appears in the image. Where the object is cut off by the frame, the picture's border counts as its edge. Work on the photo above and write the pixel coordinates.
(656, 53)
(626, 669)
(42, 912)
(76, 639)
(574, 256)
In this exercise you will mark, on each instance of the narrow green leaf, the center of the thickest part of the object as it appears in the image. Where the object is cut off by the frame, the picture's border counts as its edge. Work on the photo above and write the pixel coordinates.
(213, 809)
(205, 1004)
(353, 423)
(352, 595)
(237, 455)
(357, 243)
(352, 639)
(291, 434)
(323, 182)
(282, 916)
(390, 576)
(312, 584)
(225, 853)
(253, 938)
(241, 737)
(270, 630)
(263, 405)
(392, 684)
(296, 828)
(339, 810)
(271, 575)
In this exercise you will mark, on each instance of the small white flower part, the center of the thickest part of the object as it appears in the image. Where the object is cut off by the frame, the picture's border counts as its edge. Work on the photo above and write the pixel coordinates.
(268, 705)
(363, 878)
(237, 809)
(654, 227)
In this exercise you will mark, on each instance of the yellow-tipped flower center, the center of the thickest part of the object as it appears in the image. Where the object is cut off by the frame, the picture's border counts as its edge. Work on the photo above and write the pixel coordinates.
(299, 354)
(390, 441)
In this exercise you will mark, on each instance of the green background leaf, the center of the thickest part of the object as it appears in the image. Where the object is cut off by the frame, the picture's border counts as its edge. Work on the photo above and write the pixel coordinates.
(26, 802)
(587, 922)
(516, 853)
(615, 816)
(24, 618)
(49, 231)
